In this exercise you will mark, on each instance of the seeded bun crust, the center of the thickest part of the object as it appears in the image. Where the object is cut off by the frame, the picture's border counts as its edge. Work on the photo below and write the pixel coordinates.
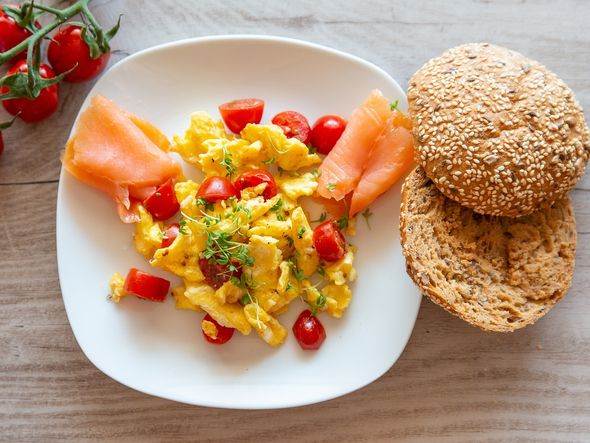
(497, 273)
(496, 131)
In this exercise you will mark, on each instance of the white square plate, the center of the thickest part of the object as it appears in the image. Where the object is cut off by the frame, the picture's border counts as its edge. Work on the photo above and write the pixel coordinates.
(158, 350)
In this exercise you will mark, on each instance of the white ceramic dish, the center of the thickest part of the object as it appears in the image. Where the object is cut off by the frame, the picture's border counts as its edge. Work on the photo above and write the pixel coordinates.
(158, 350)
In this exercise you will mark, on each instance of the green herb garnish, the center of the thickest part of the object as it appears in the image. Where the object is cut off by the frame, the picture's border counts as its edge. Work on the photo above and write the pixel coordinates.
(393, 105)
(367, 214)
(301, 232)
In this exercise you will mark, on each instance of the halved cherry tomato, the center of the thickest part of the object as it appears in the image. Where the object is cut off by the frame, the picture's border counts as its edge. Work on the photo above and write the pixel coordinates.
(35, 110)
(224, 334)
(170, 235)
(293, 124)
(238, 113)
(215, 274)
(214, 189)
(67, 49)
(162, 204)
(255, 177)
(309, 331)
(326, 131)
(329, 241)
(146, 286)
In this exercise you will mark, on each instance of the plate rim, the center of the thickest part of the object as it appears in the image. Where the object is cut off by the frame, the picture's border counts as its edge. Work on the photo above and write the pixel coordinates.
(210, 403)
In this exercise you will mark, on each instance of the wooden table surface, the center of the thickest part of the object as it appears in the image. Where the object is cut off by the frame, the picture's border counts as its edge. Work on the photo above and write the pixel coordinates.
(452, 383)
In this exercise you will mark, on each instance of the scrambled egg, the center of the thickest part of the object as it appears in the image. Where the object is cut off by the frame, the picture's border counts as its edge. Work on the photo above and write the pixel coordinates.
(265, 246)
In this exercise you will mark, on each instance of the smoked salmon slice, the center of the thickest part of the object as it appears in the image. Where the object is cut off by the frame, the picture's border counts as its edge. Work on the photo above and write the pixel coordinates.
(392, 156)
(119, 154)
(341, 170)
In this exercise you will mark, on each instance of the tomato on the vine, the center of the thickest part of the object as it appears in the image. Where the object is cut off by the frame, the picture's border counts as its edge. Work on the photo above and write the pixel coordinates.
(326, 131)
(309, 331)
(35, 110)
(67, 49)
(256, 177)
(294, 125)
(329, 241)
(222, 333)
(11, 34)
(238, 113)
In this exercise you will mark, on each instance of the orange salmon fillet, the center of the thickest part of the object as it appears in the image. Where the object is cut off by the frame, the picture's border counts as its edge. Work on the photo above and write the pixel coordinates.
(343, 166)
(119, 154)
(391, 157)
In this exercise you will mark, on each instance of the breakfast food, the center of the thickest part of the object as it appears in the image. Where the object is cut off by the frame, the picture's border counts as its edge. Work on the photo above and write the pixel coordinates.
(497, 273)
(120, 154)
(495, 131)
(240, 239)
(374, 151)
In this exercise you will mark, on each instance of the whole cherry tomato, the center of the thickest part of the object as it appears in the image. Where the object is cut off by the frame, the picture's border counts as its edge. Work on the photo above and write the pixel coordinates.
(224, 334)
(162, 204)
(214, 189)
(309, 331)
(35, 110)
(293, 124)
(170, 234)
(67, 49)
(326, 131)
(329, 241)
(255, 177)
(215, 274)
(11, 34)
(238, 113)
(146, 286)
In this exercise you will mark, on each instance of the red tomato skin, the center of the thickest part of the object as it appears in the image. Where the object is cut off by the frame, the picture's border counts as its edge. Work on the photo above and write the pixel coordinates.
(67, 49)
(224, 334)
(162, 204)
(255, 177)
(11, 34)
(33, 111)
(309, 331)
(1, 143)
(238, 113)
(146, 286)
(326, 131)
(214, 189)
(170, 234)
(329, 241)
(294, 125)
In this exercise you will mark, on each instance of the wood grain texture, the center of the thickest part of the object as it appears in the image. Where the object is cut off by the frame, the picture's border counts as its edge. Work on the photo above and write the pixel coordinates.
(453, 383)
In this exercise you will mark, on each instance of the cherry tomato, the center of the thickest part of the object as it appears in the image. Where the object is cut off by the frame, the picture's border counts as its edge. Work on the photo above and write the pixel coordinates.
(238, 113)
(224, 334)
(215, 274)
(326, 131)
(309, 331)
(329, 241)
(162, 204)
(254, 178)
(67, 49)
(32, 111)
(11, 34)
(170, 235)
(146, 286)
(293, 124)
(214, 189)
(1, 143)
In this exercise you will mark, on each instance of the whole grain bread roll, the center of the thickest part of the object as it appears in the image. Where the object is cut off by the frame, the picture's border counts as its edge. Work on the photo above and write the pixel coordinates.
(497, 131)
(497, 273)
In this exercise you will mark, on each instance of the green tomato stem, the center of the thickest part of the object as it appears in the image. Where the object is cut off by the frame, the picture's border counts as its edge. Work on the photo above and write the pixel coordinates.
(29, 42)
